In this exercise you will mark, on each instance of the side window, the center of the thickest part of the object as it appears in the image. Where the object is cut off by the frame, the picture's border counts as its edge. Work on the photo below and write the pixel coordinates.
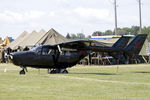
(45, 50)
(39, 50)
(68, 53)
(51, 52)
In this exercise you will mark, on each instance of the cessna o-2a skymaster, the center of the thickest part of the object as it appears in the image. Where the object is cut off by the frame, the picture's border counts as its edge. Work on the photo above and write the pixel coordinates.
(57, 58)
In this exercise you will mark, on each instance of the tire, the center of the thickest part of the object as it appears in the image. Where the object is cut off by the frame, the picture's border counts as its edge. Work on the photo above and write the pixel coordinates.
(22, 72)
(53, 72)
(65, 72)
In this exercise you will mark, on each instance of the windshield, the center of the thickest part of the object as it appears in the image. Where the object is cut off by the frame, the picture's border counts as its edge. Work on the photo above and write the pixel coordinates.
(35, 48)
(43, 50)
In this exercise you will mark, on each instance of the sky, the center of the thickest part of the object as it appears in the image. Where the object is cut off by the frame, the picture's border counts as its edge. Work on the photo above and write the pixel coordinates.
(68, 16)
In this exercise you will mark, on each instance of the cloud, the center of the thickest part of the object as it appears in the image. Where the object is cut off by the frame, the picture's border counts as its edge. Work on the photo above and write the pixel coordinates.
(128, 19)
(33, 25)
(51, 14)
(64, 1)
(10, 16)
(90, 12)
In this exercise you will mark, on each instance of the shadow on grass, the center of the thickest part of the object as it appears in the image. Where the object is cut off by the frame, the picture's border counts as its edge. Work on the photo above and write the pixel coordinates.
(97, 73)
(140, 72)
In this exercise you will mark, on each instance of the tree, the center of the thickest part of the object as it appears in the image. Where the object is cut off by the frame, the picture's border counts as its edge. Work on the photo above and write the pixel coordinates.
(134, 30)
(120, 31)
(68, 36)
(97, 33)
(88, 37)
(108, 32)
(80, 36)
(73, 36)
(127, 30)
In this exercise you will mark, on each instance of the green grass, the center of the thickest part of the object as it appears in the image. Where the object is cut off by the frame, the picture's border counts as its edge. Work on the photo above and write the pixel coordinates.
(131, 82)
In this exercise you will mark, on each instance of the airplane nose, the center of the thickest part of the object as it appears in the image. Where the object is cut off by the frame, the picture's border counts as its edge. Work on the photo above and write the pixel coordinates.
(14, 58)
(10, 57)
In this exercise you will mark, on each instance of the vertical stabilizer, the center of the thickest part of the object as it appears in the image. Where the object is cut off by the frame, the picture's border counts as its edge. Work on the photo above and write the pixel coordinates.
(136, 44)
(122, 42)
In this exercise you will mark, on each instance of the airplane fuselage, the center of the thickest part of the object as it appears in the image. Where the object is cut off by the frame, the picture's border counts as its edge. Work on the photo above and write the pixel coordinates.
(61, 60)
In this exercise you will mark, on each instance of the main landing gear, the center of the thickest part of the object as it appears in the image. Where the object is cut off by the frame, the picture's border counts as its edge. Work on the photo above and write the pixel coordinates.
(61, 71)
(22, 72)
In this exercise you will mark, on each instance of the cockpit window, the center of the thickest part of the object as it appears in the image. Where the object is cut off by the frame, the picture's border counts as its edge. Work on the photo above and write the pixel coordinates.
(43, 50)
(47, 51)
(39, 50)
(51, 52)
(34, 48)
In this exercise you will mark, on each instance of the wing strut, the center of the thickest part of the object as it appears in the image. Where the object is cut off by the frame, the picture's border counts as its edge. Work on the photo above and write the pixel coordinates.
(59, 49)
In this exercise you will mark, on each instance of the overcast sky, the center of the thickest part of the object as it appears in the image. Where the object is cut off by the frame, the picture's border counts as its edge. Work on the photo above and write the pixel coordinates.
(68, 16)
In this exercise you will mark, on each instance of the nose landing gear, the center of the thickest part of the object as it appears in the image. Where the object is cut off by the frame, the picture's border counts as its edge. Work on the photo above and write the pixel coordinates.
(22, 72)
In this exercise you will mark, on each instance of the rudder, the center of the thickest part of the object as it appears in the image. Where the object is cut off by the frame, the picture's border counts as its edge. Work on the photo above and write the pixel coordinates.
(136, 44)
(122, 42)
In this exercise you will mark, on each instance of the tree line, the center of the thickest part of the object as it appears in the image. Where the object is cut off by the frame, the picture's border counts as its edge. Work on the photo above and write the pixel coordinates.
(76, 36)
(134, 30)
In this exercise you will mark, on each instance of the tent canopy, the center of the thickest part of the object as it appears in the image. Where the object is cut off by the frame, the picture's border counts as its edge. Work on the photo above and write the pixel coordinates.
(52, 37)
(45, 38)
(14, 44)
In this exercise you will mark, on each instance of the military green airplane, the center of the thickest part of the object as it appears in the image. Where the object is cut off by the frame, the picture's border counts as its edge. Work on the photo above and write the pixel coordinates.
(61, 56)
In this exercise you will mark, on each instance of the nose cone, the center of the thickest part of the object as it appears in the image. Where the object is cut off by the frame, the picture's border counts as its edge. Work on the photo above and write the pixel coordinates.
(21, 58)
(15, 58)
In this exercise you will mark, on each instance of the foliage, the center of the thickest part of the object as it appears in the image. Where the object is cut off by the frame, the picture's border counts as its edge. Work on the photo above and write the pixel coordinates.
(120, 31)
(88, 37)
(68, 36)
(108, 32)
(75, 36)
(126, 30)
(80, 36)
(134, 30)
(97, 33)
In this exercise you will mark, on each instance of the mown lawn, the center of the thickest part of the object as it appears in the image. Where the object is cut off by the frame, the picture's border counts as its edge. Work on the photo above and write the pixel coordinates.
(131, 82)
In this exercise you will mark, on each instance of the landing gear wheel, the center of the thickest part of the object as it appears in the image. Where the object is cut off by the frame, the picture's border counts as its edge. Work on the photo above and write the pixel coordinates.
(53, 72)
(65, 72)
(59, 71)
(22, 72)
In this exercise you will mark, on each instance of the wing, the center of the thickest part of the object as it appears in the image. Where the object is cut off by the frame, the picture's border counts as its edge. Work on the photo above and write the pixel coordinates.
(79, 44)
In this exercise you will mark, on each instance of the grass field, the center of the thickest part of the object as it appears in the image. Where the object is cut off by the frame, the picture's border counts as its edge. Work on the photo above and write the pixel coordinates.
(131, 82)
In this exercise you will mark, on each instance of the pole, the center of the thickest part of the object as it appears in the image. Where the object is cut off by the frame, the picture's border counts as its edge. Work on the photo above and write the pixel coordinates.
(115, 9)
(140, 17)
